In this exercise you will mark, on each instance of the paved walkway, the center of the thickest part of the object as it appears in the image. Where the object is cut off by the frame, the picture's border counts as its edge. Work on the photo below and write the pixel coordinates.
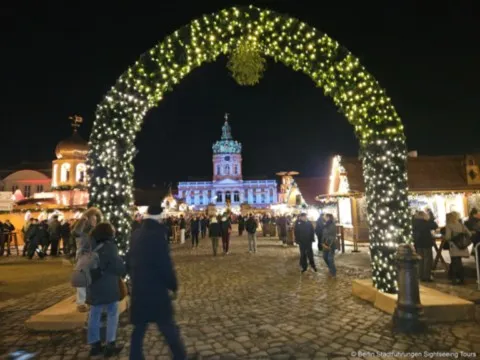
(246, 306)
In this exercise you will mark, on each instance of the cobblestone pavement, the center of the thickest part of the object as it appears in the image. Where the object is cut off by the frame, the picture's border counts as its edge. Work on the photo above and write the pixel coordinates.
(250, 306)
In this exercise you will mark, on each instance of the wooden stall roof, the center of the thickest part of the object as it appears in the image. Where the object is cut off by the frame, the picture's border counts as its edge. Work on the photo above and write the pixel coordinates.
(425, 173)
(310, 187)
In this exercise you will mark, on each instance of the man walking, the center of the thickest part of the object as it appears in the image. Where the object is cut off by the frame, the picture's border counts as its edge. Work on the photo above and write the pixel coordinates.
(195, 230)
(154, 285)
(214, 232)
(226, 231)
(204, 226)
(251, 226)
(304, 237)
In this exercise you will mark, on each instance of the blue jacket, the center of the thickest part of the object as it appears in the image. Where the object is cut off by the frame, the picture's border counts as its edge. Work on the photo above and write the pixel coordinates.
(152, 274)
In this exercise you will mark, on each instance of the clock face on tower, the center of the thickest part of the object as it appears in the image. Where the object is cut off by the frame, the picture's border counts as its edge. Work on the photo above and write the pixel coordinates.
(227, 158)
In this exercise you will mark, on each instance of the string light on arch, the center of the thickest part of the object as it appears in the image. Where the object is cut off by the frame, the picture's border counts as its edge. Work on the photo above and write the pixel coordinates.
(301, 47)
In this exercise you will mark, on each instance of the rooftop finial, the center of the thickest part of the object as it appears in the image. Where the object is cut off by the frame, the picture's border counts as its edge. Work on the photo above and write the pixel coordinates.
(76, 121)
(226, 131)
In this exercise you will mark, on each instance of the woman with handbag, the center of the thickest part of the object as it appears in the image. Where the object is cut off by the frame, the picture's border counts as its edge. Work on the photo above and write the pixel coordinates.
(458, 237)
(105, 291)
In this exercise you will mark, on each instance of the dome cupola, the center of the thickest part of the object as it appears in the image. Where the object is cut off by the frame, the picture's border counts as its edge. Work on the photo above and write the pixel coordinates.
(74, 147)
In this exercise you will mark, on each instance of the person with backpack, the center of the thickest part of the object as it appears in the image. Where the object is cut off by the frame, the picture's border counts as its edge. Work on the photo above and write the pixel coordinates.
(103, 293)
(251, 226)
(81, 231)
(458, 237)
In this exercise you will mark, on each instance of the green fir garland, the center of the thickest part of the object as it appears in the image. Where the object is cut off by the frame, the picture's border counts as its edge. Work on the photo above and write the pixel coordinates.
(294, 43)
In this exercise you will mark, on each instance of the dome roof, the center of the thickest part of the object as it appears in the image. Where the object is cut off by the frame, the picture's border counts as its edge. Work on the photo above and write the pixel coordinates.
(72, 148)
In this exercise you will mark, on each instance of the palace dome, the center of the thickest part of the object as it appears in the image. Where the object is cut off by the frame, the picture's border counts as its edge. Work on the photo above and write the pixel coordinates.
(74, 147)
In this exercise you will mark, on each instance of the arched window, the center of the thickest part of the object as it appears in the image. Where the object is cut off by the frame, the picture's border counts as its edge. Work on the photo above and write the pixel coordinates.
(81, 173)
(263, 198)
(218, 169)
(219, 197)
(227, 169)
(54, 175)
(235, 169)
(65, 172)
(236, 196)
(228, 196)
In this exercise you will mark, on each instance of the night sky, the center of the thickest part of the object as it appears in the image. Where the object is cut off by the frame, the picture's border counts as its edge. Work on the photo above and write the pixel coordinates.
(58, 60)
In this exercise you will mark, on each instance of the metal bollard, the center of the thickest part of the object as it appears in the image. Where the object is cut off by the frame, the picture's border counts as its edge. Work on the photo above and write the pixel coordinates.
(408, 316)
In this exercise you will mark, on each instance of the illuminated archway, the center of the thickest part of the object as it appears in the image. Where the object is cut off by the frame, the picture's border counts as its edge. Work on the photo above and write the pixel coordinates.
(303, 48)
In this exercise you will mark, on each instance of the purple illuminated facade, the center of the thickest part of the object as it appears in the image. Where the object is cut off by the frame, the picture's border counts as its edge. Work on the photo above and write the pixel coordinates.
(228, 185)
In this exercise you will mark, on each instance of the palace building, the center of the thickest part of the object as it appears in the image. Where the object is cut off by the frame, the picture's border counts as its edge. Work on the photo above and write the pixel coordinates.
(228, 189)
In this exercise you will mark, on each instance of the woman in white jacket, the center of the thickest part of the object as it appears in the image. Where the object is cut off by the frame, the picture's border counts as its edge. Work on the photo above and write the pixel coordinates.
(454, 227)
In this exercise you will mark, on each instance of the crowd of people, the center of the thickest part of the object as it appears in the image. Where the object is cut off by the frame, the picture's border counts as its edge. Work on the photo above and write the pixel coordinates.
(152, 279)
(458, 237)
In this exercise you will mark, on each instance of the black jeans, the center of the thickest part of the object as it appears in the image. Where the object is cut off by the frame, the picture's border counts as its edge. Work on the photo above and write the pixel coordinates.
(425, 264)
(172, 336)
(194, 239)
(306, 253)
(457, 270)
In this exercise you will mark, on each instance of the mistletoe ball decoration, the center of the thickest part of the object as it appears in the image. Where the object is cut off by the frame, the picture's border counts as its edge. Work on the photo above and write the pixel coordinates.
(246, 63)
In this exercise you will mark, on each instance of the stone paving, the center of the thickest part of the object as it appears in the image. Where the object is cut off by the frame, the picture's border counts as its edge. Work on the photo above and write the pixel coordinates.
(251, 306)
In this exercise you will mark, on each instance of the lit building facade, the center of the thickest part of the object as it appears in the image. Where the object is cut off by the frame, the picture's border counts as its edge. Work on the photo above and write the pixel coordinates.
(228, 189)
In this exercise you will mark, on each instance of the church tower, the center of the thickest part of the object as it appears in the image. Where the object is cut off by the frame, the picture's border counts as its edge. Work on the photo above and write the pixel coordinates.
(227, 156)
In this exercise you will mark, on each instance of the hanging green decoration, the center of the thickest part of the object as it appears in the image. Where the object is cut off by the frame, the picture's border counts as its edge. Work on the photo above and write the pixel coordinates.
(246, 63)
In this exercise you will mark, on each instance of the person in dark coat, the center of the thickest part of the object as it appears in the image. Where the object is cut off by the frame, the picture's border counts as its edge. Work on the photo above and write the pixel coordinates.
(33, 240)
(473, 225)
(215, 232)
(252, 226)
(423, 240)
(226, 225)
(43, 235)
(241, 225)
(54, 235)
(329, 237)
(65, 233)
(154, 284)
(265, 225)
(282, 229)
(195, 231)
(204, 226)
(319, 231)
(304, 237)
(104, 291)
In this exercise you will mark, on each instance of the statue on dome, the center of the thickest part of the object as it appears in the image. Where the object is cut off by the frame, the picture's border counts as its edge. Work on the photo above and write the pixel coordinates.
(226, 130)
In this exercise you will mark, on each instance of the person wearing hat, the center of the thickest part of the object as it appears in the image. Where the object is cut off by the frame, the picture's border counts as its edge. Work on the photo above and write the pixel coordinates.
(154, 284)
(304, 237)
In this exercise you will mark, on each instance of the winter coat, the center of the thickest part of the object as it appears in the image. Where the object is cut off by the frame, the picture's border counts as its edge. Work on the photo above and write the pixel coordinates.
(282, 226)
(81, 232)
(106, 290)
(152, 274)
(251, 225)
(329, 235)
(226, 226)
(450, 231)
(214, 230)
(195, 226)
(204, 224)
(54, 229)
(304, 232)
(319, 226)
(422, 233)
(183, 224)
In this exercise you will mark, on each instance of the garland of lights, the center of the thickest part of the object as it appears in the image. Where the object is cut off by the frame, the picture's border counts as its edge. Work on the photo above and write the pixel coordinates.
(303, 48)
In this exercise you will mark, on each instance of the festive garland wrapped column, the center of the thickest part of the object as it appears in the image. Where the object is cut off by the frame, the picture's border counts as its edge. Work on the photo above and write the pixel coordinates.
(299, 46)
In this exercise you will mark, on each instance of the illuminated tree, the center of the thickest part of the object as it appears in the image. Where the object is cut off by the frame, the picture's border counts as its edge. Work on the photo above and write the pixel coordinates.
(303, 48)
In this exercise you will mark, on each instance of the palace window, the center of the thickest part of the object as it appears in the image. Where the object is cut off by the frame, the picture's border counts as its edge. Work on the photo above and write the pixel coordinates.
(14, 188)
(201, 199)
(65, 172)
(81, 172)
(218, 169)
(219, 197)
(39, 188)
(263, 197)
(228, 196)
(235, 169)
(27, 190)
(227, 169)
(54, 177)
(236, 196)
